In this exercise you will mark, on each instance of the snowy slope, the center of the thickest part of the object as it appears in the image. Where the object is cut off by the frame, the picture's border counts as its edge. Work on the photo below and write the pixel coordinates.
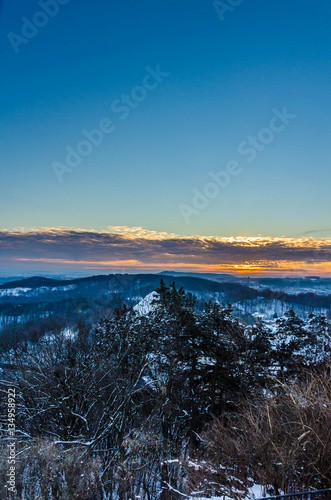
(146, 305)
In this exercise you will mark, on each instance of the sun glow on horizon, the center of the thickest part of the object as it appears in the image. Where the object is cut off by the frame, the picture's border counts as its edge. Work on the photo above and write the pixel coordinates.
(138, 249)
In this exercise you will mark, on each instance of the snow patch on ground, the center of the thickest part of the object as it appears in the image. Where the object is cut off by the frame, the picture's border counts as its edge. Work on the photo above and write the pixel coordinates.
(254, 493)
(14, 292)
(19, 291)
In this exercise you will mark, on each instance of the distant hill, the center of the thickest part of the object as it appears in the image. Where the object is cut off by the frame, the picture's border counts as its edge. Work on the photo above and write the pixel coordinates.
(138, 282)
(208, 276)
(34, 282)
(40, 296)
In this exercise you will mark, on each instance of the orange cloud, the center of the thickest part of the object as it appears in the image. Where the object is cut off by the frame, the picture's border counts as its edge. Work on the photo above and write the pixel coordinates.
(136, 248)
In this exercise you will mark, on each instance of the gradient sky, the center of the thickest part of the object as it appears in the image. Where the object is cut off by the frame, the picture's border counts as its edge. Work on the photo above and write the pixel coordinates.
(225, 80)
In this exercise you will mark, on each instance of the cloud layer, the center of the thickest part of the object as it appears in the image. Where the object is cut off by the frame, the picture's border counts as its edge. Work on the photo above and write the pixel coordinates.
(138, 249)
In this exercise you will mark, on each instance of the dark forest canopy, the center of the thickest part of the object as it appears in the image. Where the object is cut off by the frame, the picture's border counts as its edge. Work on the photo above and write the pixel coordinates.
(150, 404)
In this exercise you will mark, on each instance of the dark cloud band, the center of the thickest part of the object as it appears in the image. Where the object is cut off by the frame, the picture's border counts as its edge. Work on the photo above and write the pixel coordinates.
(140, 248)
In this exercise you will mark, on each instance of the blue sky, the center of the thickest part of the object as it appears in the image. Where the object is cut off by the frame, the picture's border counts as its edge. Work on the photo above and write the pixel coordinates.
(225, 79)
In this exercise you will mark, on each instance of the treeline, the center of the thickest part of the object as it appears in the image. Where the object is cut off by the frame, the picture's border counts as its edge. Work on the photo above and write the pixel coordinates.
(175, 402)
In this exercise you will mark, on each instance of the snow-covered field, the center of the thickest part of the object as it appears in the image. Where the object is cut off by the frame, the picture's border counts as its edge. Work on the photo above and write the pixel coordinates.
(268, 309)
